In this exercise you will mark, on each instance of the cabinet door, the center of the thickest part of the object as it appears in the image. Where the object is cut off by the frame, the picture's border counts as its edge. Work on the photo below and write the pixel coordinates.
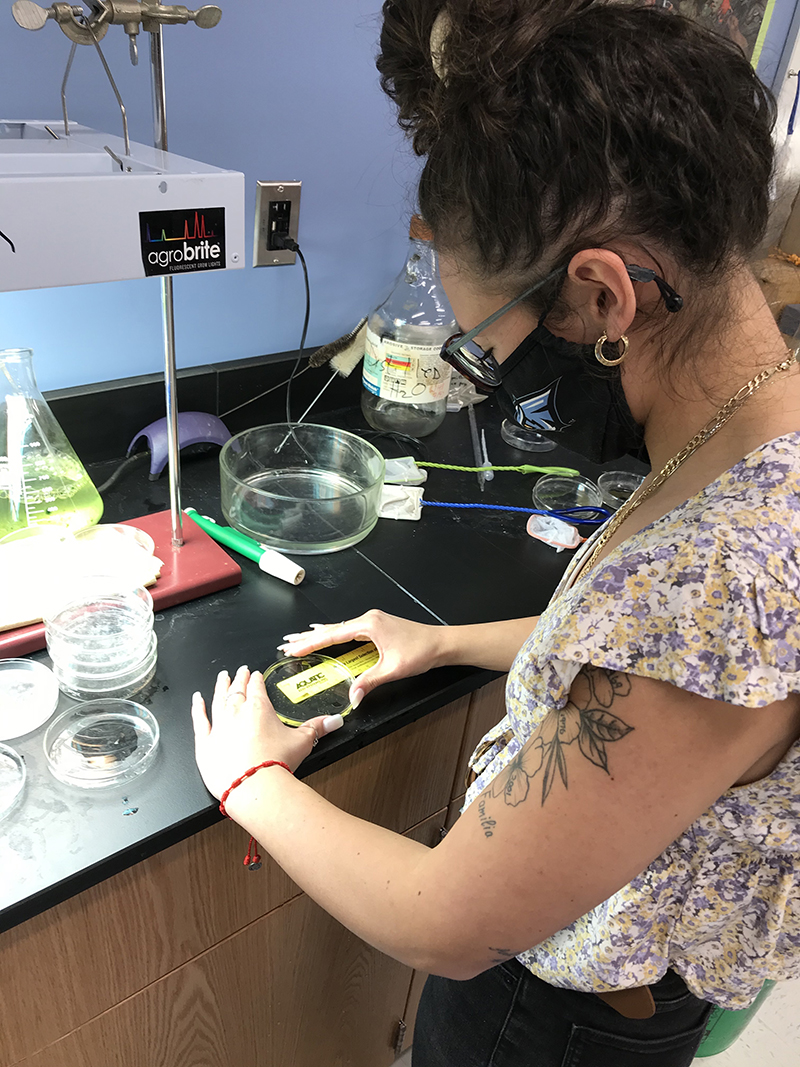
(92, 952)
(293, 989)
(486, 708)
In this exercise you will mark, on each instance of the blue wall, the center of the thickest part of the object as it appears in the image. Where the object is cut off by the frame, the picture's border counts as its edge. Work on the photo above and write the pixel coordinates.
(279, 91)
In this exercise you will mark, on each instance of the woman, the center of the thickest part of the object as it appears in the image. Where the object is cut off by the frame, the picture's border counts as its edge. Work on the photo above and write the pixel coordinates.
(634, 823)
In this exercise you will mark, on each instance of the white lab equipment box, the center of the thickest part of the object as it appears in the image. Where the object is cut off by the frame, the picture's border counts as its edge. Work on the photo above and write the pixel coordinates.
(79, 209)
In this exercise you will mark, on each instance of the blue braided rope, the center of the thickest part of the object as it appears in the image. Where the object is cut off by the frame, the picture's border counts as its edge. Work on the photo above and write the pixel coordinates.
(567, 514)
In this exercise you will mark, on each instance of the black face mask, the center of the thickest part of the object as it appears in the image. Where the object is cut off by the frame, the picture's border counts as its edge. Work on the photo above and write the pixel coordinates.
(557, 388)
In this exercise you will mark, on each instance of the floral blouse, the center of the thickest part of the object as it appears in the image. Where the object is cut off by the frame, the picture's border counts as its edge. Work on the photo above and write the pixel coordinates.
(707, 598)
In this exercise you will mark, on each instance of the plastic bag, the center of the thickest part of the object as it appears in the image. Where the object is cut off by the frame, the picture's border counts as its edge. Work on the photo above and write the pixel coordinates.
(400, 502)
(554, 532)
(404, 471)
(462, 393)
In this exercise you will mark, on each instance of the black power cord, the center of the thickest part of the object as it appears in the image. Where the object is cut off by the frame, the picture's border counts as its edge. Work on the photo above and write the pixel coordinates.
(284, 241)
(123, 468)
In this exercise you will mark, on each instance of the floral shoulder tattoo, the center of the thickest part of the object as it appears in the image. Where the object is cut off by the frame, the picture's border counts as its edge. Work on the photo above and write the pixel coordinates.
(586, 719)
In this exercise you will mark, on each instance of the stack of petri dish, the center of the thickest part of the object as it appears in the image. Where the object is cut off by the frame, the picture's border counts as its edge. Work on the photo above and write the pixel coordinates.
(100, 638)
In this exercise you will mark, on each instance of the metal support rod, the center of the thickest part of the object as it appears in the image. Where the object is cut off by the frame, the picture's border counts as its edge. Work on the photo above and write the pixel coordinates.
(167, 306)
(110, 76)
(64, 89)
(171, 397)
(159, 89)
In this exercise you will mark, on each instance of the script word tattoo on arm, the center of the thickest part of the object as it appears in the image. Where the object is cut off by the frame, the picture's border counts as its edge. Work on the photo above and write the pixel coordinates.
(500, 955)
(587, 719)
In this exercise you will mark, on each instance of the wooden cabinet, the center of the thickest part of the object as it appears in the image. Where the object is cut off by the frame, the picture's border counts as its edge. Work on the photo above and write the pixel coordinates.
(187, 960)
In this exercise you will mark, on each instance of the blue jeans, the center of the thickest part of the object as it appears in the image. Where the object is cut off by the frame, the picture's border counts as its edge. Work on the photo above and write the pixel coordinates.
(506, 1017)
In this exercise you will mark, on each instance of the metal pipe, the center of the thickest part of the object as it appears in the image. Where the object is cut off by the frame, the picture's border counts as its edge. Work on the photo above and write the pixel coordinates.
(167, 305)
(171, 397)
(158, 86)
(64, 89)
(110, 76)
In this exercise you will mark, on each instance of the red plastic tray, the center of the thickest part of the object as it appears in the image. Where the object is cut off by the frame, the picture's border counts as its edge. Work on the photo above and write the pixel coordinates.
(198, 567)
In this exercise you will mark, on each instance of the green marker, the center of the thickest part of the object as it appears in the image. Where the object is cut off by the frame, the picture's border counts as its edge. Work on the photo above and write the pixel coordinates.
(268, 560)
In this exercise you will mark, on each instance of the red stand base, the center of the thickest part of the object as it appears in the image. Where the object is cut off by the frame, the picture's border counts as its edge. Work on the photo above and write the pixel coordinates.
(200, 566)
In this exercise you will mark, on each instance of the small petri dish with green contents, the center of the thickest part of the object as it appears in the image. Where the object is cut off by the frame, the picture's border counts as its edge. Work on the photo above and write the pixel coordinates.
(304, 687)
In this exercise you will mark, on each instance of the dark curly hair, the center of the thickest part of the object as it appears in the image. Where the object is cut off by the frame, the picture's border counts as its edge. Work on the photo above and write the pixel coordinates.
(563, 124)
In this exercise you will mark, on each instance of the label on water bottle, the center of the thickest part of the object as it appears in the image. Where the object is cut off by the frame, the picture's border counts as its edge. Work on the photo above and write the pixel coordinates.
(403, 372)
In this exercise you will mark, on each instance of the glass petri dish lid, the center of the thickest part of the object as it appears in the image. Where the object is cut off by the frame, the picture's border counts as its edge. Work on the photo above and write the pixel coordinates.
(303, 687)
(12, 780)
(113, 534)
(28, 696)
(101, 742)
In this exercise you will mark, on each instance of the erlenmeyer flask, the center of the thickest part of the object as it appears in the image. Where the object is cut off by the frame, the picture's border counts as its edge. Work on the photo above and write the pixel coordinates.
(41, 478)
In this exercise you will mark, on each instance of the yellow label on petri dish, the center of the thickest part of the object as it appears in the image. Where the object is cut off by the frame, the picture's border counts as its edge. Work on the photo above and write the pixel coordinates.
(360, 659)
(317, 679)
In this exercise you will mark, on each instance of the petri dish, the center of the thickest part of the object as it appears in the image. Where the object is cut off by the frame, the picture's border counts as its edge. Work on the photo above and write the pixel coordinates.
(112, 535)
(28, 696)
(12, 780)
(84, 681)
(616, 486)
(555, 492)
(104, 629)
(524, 439)
(303, 687)
(101, 742)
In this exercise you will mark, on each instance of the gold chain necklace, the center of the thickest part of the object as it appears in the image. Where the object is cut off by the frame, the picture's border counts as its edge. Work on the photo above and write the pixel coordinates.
(717, 422)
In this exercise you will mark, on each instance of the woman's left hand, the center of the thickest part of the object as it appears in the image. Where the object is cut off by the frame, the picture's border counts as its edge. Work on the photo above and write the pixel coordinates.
(246, 731)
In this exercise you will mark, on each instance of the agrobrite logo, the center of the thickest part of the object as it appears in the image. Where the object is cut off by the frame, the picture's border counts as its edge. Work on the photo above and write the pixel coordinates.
(178, 242)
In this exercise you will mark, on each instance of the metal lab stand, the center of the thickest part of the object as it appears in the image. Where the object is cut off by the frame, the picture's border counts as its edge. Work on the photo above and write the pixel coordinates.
(133, 15)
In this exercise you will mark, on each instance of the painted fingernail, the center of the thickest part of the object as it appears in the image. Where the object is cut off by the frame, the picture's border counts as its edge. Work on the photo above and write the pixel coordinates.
(356, 697)
(242, 669)
(292, 637)
(318, 625)
(223, 674)
(332, 722)
(196, 698)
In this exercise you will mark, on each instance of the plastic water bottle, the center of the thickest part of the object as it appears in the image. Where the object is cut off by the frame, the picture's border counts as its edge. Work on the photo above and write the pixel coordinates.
(405, 382)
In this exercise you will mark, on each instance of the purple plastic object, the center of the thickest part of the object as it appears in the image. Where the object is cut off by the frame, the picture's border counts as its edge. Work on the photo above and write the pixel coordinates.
(194, 428)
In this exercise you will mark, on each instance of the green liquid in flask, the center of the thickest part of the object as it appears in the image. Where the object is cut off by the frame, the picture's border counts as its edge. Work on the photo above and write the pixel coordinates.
(54, 489)
(41, 478)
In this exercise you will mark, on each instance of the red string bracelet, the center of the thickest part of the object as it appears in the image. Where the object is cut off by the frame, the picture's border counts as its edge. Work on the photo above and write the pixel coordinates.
(252, 860)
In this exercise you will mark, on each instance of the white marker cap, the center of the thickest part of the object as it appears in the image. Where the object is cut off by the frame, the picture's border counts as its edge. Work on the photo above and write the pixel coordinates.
(279, 566)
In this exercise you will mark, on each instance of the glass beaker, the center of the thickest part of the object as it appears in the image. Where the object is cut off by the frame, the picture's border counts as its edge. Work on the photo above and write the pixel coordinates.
(41, 478)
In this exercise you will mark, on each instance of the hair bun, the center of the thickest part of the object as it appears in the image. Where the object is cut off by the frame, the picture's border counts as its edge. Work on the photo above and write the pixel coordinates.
(455, 60)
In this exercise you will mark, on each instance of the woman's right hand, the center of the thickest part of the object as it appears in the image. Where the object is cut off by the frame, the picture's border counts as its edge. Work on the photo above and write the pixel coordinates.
(405, 648)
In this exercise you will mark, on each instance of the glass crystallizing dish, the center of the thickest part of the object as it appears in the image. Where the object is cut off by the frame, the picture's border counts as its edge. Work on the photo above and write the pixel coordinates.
(101, 742)
(304, 687)
(28, 696)
(301, 488)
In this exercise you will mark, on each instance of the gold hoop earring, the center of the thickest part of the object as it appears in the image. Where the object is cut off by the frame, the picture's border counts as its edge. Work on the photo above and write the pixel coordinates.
(598, 351)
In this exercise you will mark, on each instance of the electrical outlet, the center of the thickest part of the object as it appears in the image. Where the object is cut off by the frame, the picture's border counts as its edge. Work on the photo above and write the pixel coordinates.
(277, 212)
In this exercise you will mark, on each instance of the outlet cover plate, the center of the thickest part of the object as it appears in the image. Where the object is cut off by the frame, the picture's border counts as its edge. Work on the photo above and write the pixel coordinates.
(266, 192)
